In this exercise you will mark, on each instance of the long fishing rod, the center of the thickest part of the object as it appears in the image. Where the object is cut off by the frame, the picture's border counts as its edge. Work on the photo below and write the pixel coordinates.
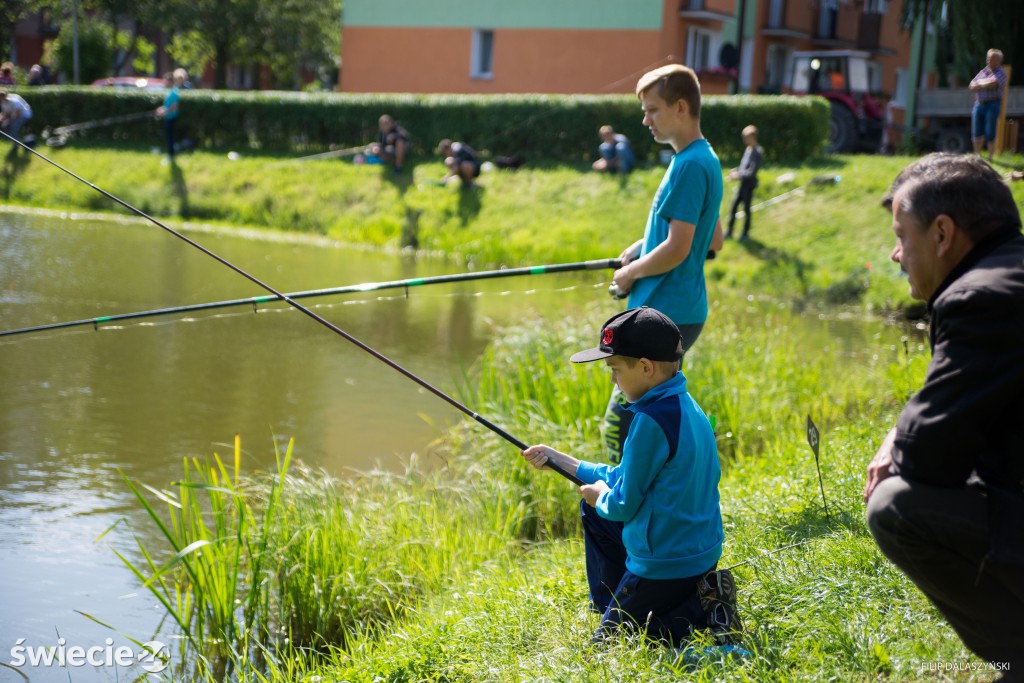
(58, 137)
(323, 321)
(348, 289)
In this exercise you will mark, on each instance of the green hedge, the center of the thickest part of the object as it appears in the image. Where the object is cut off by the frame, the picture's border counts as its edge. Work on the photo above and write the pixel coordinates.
(540, 127)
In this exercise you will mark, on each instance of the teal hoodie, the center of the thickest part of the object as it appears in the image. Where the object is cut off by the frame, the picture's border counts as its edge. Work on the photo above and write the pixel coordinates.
(665, 490)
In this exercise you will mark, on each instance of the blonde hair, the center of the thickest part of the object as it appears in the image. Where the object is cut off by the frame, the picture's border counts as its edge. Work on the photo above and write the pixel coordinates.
(750, 130)
(673, 82)
(606, 130)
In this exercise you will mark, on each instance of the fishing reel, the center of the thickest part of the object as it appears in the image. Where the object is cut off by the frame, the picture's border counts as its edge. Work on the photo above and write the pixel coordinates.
(615, 293)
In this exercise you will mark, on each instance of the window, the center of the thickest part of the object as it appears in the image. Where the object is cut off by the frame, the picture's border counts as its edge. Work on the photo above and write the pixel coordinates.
(899, 91)
(874, 77)
(702, 49)
(775, 9)
(876, 6)
(482, 54)
(779, 67)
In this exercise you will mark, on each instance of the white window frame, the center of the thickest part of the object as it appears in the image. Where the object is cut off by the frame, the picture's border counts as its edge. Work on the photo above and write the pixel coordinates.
(481, 55)
(697, 39)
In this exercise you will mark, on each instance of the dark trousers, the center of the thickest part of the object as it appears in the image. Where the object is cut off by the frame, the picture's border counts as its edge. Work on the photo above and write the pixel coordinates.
(744, 195)
(617, 419)
(666, 609)
(169, 134)
(939, 537)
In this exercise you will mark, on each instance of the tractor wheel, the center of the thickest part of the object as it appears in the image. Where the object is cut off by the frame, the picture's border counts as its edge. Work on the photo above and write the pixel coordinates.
(956, 140)
(842, 132)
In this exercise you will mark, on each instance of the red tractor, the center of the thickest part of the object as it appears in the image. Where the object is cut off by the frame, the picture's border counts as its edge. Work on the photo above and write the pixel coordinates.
(841, 77)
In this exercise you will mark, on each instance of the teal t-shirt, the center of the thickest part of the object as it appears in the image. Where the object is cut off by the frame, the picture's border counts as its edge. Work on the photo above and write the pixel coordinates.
(690, 191)
(173, 96)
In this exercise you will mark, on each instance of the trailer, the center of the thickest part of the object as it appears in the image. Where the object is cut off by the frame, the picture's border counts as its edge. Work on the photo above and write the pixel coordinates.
(946, 116)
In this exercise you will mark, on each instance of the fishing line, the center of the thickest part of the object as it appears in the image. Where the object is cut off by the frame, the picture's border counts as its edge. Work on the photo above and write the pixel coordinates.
(323, 321)
(58, 137)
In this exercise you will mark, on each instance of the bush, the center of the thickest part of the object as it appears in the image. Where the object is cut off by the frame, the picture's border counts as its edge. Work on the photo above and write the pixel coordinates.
(540, 127)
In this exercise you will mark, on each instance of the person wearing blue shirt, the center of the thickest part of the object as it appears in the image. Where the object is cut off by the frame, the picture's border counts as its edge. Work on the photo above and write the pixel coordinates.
(170, 109)
(665, 269)
(652, 525)
(616, 152)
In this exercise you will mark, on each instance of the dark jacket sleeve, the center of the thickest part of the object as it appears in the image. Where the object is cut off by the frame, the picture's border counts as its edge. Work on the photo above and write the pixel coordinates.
(957, 421)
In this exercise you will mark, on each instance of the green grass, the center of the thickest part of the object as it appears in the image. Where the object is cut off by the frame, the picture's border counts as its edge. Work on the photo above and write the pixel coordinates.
(828, 246)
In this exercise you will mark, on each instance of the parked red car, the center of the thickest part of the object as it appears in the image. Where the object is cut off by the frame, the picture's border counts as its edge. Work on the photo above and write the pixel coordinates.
(131, 82)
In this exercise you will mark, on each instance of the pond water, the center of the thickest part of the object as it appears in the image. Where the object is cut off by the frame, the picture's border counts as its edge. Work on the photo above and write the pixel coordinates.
(79, 407)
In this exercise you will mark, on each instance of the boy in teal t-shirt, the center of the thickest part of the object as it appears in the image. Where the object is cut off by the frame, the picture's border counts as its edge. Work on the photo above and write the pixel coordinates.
(665, 269)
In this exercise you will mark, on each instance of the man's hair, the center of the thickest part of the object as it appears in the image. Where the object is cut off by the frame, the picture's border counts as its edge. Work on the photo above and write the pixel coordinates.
(606, 130)
(963, 187)
(750, 130)
(673, 82)
(994, 51)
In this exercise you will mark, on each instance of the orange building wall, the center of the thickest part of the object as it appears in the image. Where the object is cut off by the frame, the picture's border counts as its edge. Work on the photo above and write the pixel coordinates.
(420, 60)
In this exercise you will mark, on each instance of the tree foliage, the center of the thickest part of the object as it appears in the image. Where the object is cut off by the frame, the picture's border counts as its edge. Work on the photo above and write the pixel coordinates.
(972, 27)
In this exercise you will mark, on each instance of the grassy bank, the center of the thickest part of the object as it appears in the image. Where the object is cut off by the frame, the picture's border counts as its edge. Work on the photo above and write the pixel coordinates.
(827, 243)
(473, 571)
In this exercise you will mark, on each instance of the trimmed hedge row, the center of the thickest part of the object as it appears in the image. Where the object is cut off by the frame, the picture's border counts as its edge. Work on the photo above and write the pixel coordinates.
(540, 127)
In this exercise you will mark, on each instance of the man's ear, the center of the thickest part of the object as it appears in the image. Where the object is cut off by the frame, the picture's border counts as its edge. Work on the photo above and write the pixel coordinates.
(946, 233)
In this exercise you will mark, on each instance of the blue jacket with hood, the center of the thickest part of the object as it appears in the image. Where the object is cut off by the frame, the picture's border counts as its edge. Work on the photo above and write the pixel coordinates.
(665, 490)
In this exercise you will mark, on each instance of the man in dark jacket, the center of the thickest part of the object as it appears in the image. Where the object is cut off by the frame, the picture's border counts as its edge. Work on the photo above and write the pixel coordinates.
(945, 492)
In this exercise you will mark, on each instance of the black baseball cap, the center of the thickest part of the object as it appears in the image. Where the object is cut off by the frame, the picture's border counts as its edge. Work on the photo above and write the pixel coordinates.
(638, 333)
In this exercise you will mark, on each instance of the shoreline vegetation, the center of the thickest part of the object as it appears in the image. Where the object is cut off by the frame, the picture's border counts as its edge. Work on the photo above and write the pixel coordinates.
(468, 566)
(818, 244)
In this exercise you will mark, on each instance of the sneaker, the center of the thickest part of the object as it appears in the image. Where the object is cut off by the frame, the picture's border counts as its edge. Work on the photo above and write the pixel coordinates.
(717, 591)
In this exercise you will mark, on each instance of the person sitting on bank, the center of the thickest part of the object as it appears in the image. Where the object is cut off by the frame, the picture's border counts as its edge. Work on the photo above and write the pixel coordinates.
(461, 161)
(652, 525)
(392, 146)
(14, 114)
(616, 152)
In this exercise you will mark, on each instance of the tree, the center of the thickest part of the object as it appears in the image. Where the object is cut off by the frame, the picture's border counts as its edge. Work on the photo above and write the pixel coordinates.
(285, 35)
(95, 50)
(972, 27)
(298, 34)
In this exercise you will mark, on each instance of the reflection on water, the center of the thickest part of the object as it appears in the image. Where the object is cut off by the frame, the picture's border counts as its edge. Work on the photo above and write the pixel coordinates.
(79, 407)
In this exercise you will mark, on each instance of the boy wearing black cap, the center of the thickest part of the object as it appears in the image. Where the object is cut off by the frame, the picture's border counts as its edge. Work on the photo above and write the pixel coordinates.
(652, 524)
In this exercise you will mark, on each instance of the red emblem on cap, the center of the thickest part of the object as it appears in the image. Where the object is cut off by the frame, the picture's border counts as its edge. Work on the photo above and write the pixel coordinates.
(606, 338)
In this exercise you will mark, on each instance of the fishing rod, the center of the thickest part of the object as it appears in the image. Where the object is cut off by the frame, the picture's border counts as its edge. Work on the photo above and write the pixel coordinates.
(291, 302)
(58, 137)
(349, 289)
(348, 151)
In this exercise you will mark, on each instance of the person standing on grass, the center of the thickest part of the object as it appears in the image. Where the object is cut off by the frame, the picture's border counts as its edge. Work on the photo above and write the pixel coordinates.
(665, 269)
(747, 175)
(945, 491)
(170, 109)
(652, 526)
(988, 87)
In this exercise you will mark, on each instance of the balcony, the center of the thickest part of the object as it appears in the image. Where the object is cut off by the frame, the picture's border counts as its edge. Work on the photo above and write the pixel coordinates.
(699, 9)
